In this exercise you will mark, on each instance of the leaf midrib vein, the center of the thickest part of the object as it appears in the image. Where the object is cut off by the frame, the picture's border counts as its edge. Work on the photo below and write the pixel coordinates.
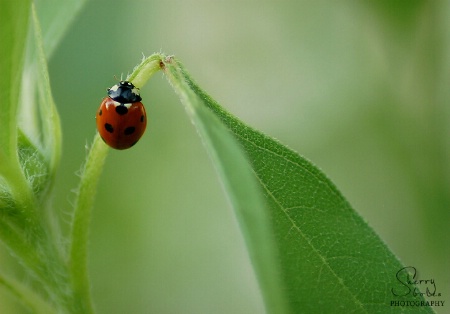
(294, 225)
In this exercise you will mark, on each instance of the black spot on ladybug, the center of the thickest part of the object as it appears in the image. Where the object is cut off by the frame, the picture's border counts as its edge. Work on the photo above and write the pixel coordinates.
(142, 118)
(130, 130)
(100, 112)
(109, 127)
(121, 110)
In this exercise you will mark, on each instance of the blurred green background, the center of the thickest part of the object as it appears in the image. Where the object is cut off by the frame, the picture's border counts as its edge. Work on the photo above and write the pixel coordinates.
(359, 88)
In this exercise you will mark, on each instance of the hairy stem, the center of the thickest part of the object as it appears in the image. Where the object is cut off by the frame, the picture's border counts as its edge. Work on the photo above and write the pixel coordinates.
(80, 224)
(149, 66)
(26, 296)
(85, 199)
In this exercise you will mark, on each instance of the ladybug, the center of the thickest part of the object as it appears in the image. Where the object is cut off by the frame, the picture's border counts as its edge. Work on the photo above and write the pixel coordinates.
(121, 118)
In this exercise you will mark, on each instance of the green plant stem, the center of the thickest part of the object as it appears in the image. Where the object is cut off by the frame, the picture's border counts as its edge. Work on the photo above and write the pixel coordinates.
(26, 296)
(80, 225)
(37, 255)
(22, 249)
(149, 66)
(85, 199)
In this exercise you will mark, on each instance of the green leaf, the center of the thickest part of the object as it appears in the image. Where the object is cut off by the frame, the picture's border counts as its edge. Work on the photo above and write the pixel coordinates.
(51, 129)
(30, 169)
(14, 19)
(39, 116)
(13, 31)
(34, 165)
(18, 210)
(243, 190)
(28, 162)
(312, 253)
(28, 297)
(56, 17)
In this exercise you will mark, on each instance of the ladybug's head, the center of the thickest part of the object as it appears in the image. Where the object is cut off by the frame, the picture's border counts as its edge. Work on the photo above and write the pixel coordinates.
(124, 92)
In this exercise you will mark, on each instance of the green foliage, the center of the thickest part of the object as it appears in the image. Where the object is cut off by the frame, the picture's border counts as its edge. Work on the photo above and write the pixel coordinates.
(55, 18)
(30, 152)
(310, 250)
(34, 164)
(13, 33)
(14, 17)
(327, 255)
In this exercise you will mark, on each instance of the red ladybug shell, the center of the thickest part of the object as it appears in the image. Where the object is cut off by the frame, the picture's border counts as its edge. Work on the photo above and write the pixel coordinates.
(121, 125)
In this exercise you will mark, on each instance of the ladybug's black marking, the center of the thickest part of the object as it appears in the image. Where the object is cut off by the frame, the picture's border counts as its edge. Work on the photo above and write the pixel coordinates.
(130, 130)
(142, 118)
(109, 128)
(124, 92)
(100, 112)
(121, 110)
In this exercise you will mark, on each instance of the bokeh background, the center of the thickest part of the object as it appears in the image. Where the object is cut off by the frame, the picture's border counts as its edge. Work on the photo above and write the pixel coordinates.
(359, 88)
